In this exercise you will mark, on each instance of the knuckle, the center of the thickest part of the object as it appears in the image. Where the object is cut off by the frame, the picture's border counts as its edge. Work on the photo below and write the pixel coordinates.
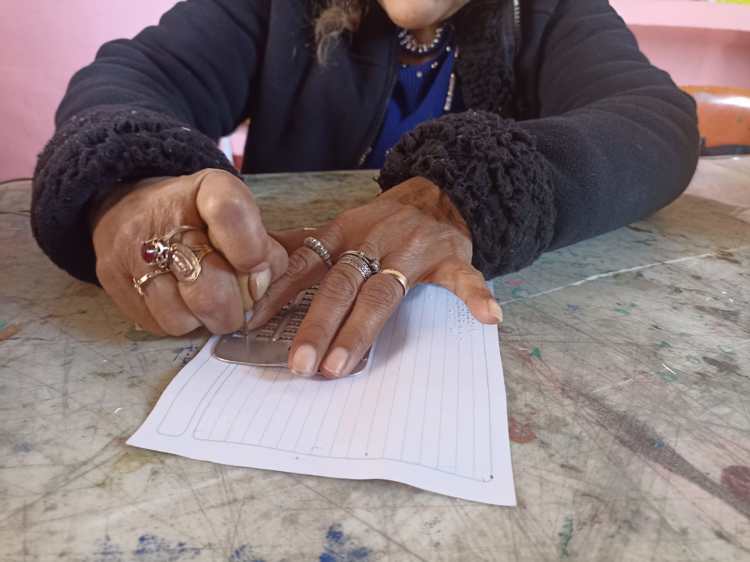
(176, 327)
(227, 207)
(370, 248)
(312, 331)
(300, 262)
(213, 305)
(247, 261)
(406, 214)
(426, 230)
(217, 174)
(340, 285)
(104, 271)
(381, 293)
(334, 233)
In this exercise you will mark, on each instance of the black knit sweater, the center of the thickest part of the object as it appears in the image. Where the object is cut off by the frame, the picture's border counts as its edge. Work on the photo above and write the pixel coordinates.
(570, 131)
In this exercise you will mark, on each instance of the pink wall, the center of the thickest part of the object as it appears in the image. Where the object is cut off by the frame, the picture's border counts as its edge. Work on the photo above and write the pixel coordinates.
(699, 43)
(699, 57)
(44, 42)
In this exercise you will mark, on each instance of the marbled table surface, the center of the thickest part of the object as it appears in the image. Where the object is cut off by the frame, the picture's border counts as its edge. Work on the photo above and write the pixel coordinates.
(627, 365)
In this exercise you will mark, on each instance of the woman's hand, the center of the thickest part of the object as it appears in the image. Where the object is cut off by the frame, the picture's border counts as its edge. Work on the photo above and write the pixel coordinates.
(222, 207)
(412, 228)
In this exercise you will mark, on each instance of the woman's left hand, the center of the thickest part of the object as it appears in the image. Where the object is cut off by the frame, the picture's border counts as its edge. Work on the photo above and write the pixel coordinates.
(412, 228)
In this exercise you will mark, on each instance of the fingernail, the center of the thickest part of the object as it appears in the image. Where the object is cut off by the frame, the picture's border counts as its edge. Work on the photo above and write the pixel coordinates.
(336, 361)
(247, 299)
(495, 311)
(259, 283)
(303, 360)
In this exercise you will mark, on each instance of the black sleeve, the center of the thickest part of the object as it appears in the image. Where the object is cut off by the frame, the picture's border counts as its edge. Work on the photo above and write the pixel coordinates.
(153, 105)
(615, 140)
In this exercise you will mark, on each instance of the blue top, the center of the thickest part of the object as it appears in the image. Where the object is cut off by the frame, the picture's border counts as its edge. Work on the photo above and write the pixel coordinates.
(419, 95)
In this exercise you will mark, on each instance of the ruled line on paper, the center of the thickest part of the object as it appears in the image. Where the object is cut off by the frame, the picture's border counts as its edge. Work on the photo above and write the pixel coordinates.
(429, 409)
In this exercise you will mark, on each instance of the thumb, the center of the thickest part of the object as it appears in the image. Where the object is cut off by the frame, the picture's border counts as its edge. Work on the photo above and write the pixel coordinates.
(468, 284)
(235, 228)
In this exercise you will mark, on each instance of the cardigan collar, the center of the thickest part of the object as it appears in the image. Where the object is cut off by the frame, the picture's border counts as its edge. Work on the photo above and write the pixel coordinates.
(485, 36)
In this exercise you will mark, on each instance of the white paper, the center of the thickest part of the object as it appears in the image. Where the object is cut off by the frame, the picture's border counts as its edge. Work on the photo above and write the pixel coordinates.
(429, 410)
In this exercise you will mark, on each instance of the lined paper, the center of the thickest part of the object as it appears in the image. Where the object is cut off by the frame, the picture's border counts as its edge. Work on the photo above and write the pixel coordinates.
(429, 410)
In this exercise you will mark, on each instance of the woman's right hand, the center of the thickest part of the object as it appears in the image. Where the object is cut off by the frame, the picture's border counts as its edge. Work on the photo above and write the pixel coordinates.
(222, 207)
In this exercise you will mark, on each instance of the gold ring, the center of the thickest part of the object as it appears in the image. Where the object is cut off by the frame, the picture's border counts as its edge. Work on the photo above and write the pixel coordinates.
(185, 261)
(157, 251)
(398, 276)
(145, 278)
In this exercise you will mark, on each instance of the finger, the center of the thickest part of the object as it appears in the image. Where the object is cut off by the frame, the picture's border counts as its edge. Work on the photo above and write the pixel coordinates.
(294, 238)
(329, 309)
(165, 304)
(469, 285)
(255, 285)
(119, 286)
(214, 298)
(376, 302)
(235, 228)
(306, 268)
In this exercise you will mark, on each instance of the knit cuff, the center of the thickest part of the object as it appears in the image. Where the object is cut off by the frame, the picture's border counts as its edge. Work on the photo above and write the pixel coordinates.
(93, 153)
(490, 169)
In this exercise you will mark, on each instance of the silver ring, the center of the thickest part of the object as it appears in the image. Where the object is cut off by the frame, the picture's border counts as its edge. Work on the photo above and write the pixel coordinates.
(358, 263)
(319, 248)
(373, 263)
(398, 276)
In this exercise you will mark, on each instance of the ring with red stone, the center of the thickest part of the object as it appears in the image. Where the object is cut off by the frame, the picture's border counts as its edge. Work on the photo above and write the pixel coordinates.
(157, 251)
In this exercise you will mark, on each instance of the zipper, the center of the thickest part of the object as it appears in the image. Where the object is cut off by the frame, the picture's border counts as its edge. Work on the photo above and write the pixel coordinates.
(381, 115)
(517, 22)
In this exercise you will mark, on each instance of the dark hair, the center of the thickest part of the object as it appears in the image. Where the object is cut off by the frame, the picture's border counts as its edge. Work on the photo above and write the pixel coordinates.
(337, 17)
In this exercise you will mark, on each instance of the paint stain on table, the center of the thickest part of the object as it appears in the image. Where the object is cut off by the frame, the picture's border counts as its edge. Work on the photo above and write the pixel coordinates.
(720, 313)
(723, 367)
(7, 332)
(148, 548)
(22, 447)
(244, 553)
(727, 256)
(519, 293)
(625, 309)
(668, 376)
(520, 432)
(133, 460)
(642, 440)
(340, 547)
(737, 479)
(151, 547)
(566, 535)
